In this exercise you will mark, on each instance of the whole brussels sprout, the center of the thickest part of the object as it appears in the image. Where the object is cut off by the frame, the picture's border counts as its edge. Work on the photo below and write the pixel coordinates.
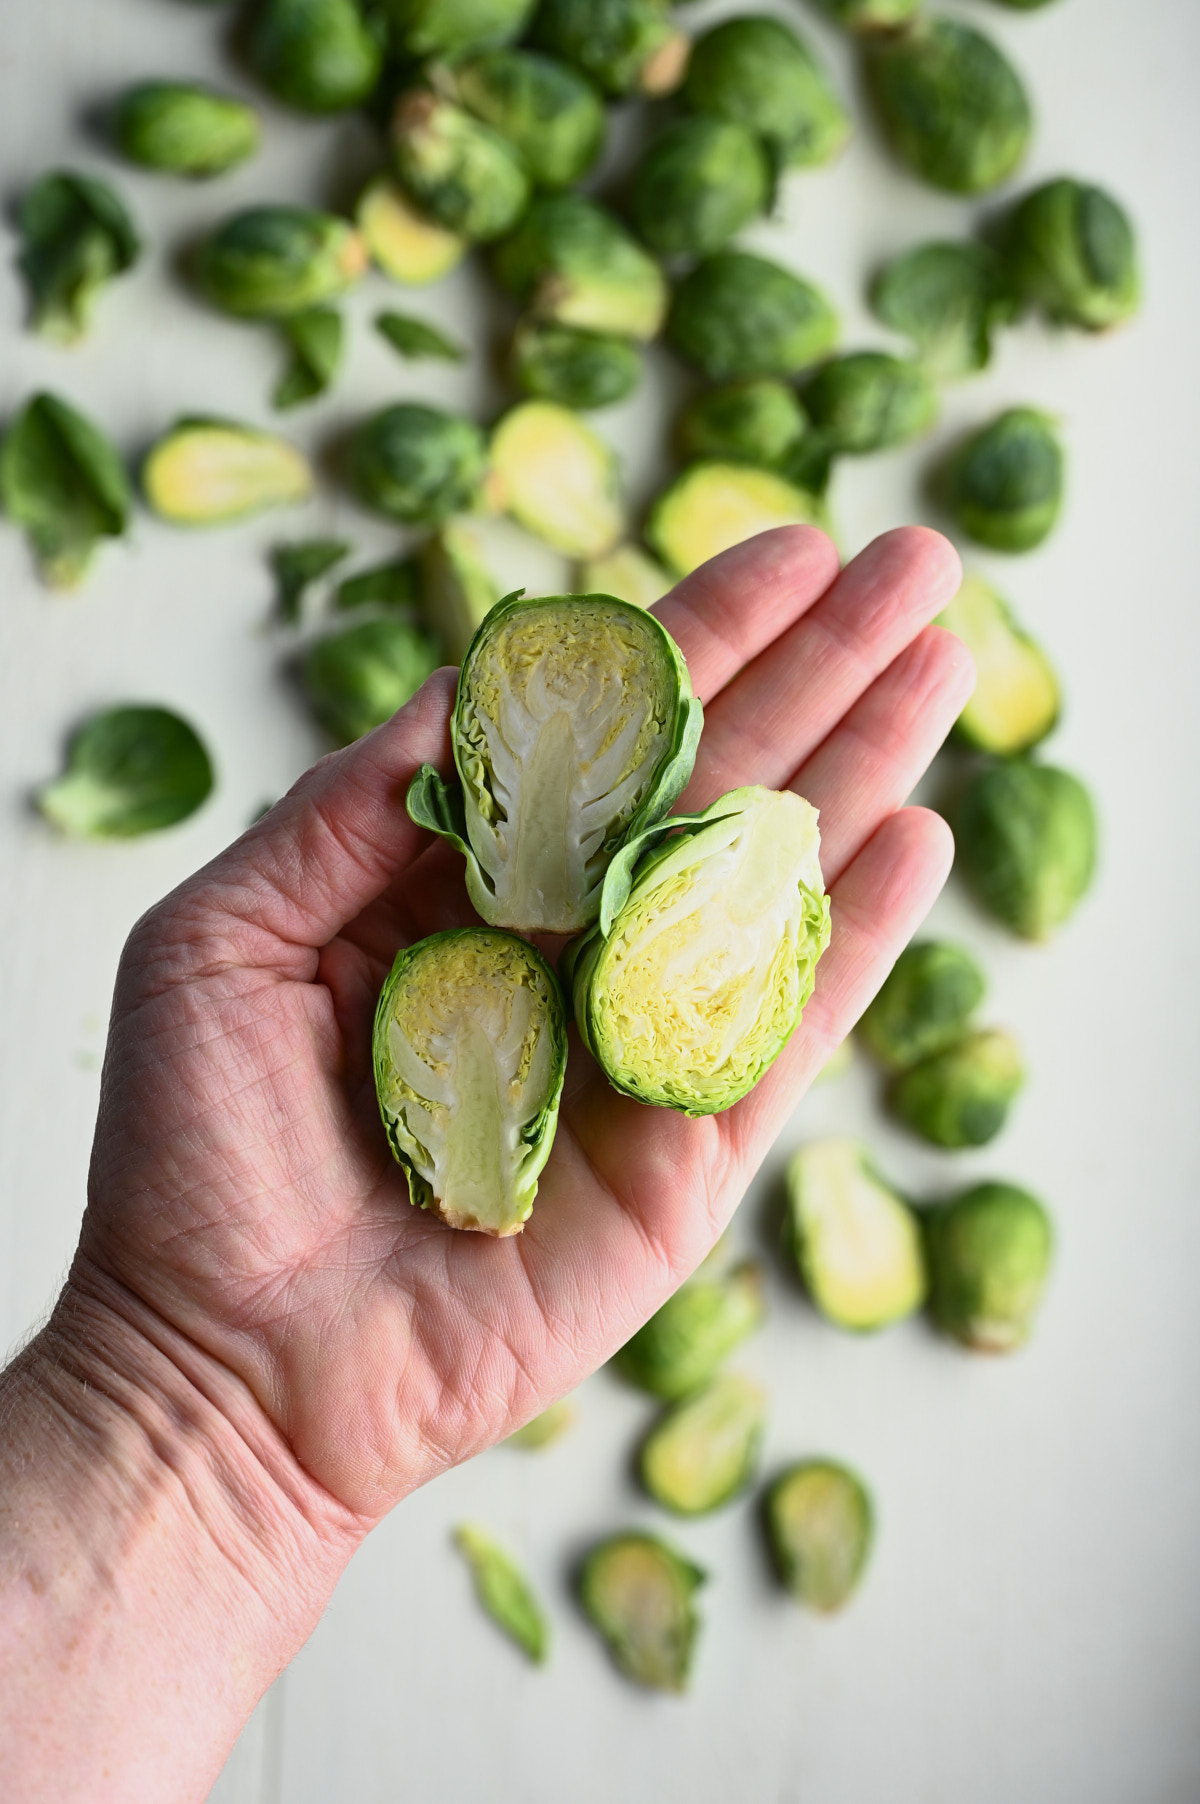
(871, 15)
(577, 369)
(625, 46)
(755, 422)
(1016, 700)
(208, 472)
(470, 1051)
(457, 169)
(504, 1592)
(948, 299)
(457, 590)
(76, 236)
(1071, 252)
(684, 1344)
(63, 482)
(1026, 843)
(1005, 485)
(820, 1524)
(737, 315)
(925, 1003)
(358, 677)
(758, 73)
(555, 475)
(319, 56)
(856, 1242)
(418, 464)
(989, 1257)
(130, 770)
(704, 1451)
(867, 401)
(712, 506)
(637, 1592)
(628, 573)
(406, 245)
(569, 260)
(950, 103)
(184, 128)
(442, 27)
(268, 262)
(961, 1095)
(550, 112)
(699, 181)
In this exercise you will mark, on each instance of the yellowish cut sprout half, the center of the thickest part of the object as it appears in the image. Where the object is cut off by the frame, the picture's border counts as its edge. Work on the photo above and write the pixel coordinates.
(857, 1243)
(558, 477)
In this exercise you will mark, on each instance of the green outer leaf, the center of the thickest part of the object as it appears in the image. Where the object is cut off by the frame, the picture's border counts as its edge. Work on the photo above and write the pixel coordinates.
(301, 563)
(416, 338)
(316, 340)
(657, 1652)
(504, 1592)
(62, 480)
(77, 235)
(130, 770)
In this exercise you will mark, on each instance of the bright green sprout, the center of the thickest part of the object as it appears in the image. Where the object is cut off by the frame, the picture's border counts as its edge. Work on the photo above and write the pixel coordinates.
(297, 566)
(504, 1592)
(755, 422)
(1016, 699)
(543, 1430)
(208, 472)
(961, 1095)
(570, 260)
(416, 338)
(870, 15)
(821, 1524)
(271, 262)
(76, 236)
(576, 369)
(63, 482)
(1026, 843)
(637, 1592)
(550, 112)
(456, 589)
(628, 573)
(443, 27)
(711, 507)
(700, 180)
(418, 464)
(757, 72)
(130, 770)
(405, 243)
(684, 1344)
(184, 128)
(856, 1242)
(868, 401)
(925, 1004)
(705, 1450)
(315, 341)
(625, 46)
(556, 475)
(736, 315)
(989, 1257)
(319, 56)
(358, 677)
(1071, 252)
(948, 299)
(1005, 485)
(459, 171)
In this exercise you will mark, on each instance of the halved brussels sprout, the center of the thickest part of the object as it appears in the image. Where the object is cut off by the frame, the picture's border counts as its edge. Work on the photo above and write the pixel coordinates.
(558, 477)
(63, 482)
(184, 128)
(705, 1449)
(544, 1429)
(685, 1342)
(699, 182)
(407, 245)
(948, 299)
(356, 678)
(268, 262)
(1026, 840)
(757, 72)
(712, 506)
(418, 464)
(76, 235)
(637, 1592)
(925, 1004)
(755, 422)
(1016, 699)
(868, 401)
(626, 46)
(961, 1095)
(470, 1051)
(440, 27)
(629, 573)
(1071, 251)
(1006, 483)
(821, 1525)
(855, 1240)
(320, 56)
(130, 770)
(205, 472)
(738, 315)
(695, 976)
(457, 169)
(989, 1255)
(457, 590)
(570, 260)
(504, 1592)
(549, 111)
(575, 727)
(576, 369)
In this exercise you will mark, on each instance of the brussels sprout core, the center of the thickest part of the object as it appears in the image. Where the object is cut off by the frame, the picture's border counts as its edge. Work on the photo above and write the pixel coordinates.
(637, 1592)
(704, 1451)
(821, 1525)
(685, 1342)
(856, 1242)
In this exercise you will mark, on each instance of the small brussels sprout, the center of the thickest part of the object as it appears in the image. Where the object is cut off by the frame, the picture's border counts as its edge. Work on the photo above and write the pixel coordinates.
(755, 422)
(1005, 485)
(457, 169)
(820, 1524)
(414, 338)
(1026, 839)
(574, 728)
(948, 299)
(699, 181)
(629, 573)
(576, 369)
(470, 1051)
(691, 1018)
(925, 1004)
(76, 237)
(705, 1449)
(441, 27)
(315, 341)
(868, 401)
(758, 73)
(711, 506)
(319, 56)
(856, 1242)
(1016, 699)
(407, 245)
(950, 103)
(299, 565)
(63, 483)
(418, 464)
(682, 1346)
(871, 15)
(130, 770)
(184, 128)
(989, 1256)
(569, 260)
(457, 590)
(550, 112)
(358, 677)
(1071, 251)
(504, 1592)
(738, 315)
(543, 1430)
(637, 1592)
(269, 262)
(206, 472)
(625, 46)
(558, 477)
(961, 1095)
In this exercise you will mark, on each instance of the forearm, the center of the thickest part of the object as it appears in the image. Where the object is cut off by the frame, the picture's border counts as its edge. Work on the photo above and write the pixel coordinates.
(161, 1560)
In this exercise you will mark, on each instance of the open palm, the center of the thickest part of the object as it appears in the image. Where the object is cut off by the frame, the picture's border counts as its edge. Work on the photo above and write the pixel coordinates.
(242, 1194)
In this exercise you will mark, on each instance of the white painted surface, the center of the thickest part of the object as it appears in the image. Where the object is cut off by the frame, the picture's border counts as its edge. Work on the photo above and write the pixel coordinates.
(1031, 1627)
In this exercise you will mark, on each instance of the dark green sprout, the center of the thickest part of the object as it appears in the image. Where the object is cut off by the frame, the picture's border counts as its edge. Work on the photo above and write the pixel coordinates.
(625, 46)
(459, 171)
(948, 299)
(76, 236)
(319, 56)
(63, 482)
(925, 1004)
(1026, 842)
(961, 1095)
(989, 1256)
(685, 1342)
(270, 262)
(868, 401)
(315, 341)
(577, 369)
(443, 27)
(356, 678)
(737, 315)
(394, 585)
(414, 338)
(754, 422)
(699, 182)
(1071, 253)
(1005, 485)
(184, 128)
(130, 770)
(548, 110)
(298, 565)
(758, 73)
(418, 464)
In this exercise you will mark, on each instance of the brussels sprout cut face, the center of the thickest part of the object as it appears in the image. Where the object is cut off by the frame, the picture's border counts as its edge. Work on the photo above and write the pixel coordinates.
(821, 1524)
(713, 506)
(470, 1052)
(705, 1450)
(637, 1592)
(1016, 699)
(558, 477)
(407, 245)
(205, 472)
(856, 1242)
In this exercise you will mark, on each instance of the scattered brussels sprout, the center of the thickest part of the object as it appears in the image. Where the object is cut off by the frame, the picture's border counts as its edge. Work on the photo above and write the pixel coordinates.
(504, 1592)
(394, 585)
(705, 1450)
(407, 245)
(76, 237)
(757, 72)
(441, 27)
(855, 1240)
(269, 262)
(1071, 251)
(129, 770)
(542, 1431)
(739, 315)
(637, 1592)
(868, 401)
(574, 728)
(457, 169)
(576, 369)
(629, 573)
(682, 1346)
(1006, 483)
(558, 477)
(299, 565)
(416, 338)
(950, 103)
(457, 591)
(690, 1019)
(205, 472)
(418, 464)
(1026, 839)
(319, 56)
(925, 1004)
(989, 1257)
(712, 506)
(569, 260)
(1016, 700)
(470, 1051)
(63, 483)
(184, 128)
(871, 15)
(960, 1096)
(315, 341)
(699, 181)
(821, 1524)
(550, 112)
(625, 46)
(948, 299)
(755, 422)
(358, 677)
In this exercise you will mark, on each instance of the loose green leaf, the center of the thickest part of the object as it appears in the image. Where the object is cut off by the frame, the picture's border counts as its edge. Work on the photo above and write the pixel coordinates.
(392, 585)
(130, 770)
(415, 338)
(504, 1592)
(315, 341)
(76, 237)
(299, 565)
(62, 481)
